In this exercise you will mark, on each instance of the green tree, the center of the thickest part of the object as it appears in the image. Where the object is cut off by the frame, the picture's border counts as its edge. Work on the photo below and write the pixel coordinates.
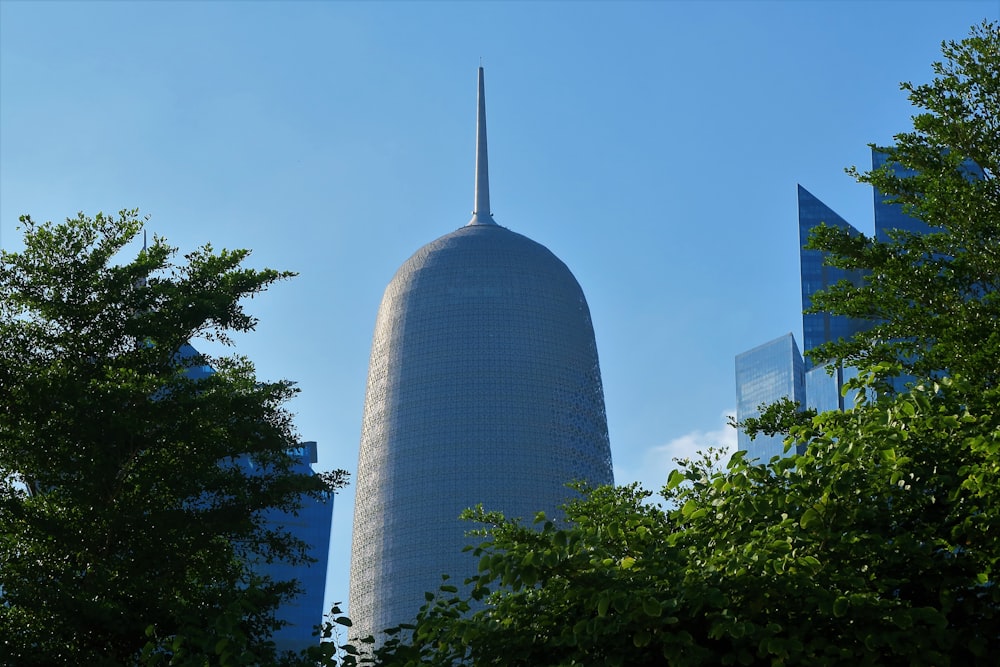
(877, 546)
(129, 508)
(934, 297)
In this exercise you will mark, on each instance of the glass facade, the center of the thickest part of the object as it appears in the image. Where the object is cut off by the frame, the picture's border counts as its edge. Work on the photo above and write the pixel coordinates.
(312, 525)
(761, 372)
(483, 387)
(766, 374)
(818, 328)
(891, 216)
(823, 385)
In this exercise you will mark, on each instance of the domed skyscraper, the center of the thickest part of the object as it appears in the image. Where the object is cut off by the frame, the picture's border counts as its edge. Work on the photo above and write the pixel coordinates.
(483, 387)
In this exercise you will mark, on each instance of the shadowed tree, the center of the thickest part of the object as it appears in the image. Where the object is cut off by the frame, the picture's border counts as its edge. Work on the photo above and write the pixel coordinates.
(132, 483)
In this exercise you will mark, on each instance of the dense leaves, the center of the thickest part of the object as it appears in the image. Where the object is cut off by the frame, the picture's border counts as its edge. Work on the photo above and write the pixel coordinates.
(882, 551)
(876, 545)
(774, 418)
(132, 482)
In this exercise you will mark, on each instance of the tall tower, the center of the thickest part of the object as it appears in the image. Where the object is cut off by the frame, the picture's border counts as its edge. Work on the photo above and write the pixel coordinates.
(774, 370)
(483, 387)
(819, 328)
(766, 374)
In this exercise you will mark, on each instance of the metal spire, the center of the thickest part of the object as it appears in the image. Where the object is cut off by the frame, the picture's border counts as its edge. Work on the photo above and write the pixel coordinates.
(481, 214)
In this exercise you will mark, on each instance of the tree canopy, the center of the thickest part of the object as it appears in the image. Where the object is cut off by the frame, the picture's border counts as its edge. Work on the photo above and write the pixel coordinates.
(876, 546)
(934, 297)
(133, 483)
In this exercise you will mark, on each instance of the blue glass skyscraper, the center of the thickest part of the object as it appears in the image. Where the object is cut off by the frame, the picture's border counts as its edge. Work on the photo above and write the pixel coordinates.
(892, 216)
(766, 374)
(311, 524)
(818, 328)
(822, 387)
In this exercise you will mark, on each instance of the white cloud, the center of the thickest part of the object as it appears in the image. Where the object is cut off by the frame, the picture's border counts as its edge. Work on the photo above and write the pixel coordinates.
(652, 466)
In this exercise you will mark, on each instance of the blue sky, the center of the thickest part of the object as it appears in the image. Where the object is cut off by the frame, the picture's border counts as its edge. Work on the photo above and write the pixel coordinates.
(655, 147)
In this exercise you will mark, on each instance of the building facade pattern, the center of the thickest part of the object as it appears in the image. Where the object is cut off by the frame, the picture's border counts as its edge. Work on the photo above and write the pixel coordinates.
(888, 216)
(484, 387)
(765, 374)
(818, 328)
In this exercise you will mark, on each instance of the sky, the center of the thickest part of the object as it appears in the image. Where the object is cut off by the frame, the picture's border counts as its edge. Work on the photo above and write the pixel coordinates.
(654, 147)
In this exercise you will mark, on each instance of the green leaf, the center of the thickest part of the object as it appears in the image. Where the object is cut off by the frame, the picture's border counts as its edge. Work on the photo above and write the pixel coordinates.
(602, 605)
(840, 606)
(810, 517)
(810, 562)
(651, 607)
(689, 508)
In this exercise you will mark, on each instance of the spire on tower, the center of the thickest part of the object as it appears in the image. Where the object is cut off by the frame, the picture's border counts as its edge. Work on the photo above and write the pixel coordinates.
(481, 214)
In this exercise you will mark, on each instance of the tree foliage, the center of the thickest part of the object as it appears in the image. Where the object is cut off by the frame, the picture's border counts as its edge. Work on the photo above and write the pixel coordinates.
(133, 486)
(878, 545)
(934, 298)
(774, 418)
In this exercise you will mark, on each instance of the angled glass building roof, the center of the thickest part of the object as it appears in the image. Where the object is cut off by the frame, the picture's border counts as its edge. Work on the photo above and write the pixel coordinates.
(818, 328)
(774, 370)
(483, 387)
